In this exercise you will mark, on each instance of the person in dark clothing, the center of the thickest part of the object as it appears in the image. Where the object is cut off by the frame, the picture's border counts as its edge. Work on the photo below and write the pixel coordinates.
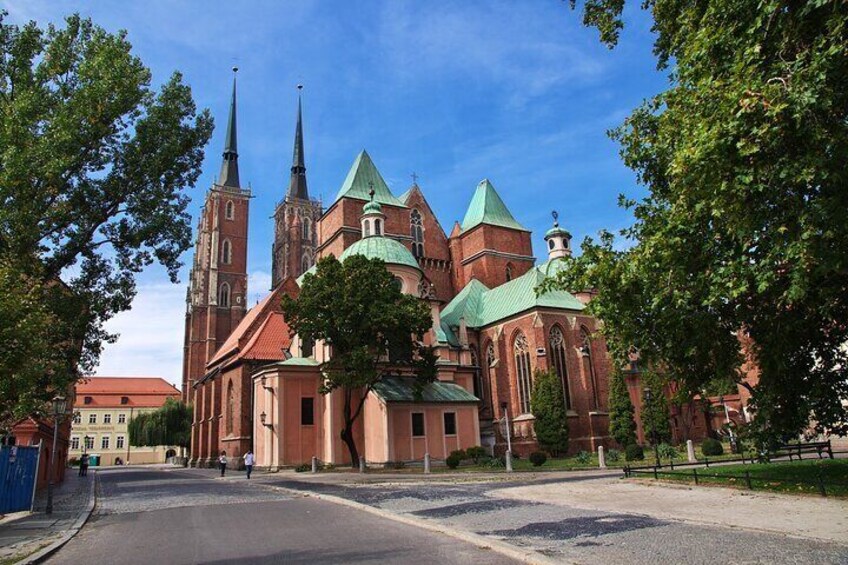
(83, 470)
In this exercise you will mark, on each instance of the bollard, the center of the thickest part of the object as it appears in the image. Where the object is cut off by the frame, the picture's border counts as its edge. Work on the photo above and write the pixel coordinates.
(314, 464)
(426, 463)
(508, 458)
(602, 459)
(361, 463)
(690, 451)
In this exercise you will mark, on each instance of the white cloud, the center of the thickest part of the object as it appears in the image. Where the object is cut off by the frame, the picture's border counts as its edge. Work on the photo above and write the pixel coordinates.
(151, 335)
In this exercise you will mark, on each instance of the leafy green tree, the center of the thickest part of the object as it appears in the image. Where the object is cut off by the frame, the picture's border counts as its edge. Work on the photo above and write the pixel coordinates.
(169, 425)
(739, 247)
(548, 407)
(622, 426)
(93, 167)
(654, 413)
(358, 309)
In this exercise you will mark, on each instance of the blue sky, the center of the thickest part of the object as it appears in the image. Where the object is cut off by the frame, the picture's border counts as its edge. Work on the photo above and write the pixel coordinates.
(517, 92)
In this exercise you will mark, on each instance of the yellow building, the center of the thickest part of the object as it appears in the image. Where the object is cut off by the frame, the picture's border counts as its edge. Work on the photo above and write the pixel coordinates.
(103, 408)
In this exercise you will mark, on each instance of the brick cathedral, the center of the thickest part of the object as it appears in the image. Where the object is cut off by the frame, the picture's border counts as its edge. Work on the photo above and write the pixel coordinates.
(255, 386)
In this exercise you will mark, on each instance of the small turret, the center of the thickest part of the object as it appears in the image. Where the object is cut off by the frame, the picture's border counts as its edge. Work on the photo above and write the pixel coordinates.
(558, 240)
(373, 220)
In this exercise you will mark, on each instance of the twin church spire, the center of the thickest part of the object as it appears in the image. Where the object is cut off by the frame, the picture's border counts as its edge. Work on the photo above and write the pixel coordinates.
(229, 175)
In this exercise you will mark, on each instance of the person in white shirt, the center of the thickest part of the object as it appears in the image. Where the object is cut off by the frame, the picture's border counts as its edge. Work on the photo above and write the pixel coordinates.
(222, 462)
(249, 460)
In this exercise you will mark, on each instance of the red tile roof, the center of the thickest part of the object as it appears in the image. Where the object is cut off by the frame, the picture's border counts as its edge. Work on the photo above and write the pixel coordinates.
(269, 341)
(107, 392)
(241, 331)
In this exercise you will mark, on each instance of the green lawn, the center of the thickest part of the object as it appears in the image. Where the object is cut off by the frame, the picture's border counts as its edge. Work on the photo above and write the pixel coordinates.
(799, 477)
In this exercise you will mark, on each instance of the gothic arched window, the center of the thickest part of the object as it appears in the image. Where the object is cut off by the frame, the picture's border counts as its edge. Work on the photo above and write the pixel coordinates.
(230, 210)
(307, 229)
(305, 263)
(586, 351)
(509, 272)
(417, 232)
(557, 345)
(224, 295)
(230, 408)
(522, 371)
(479, 389)
(226, 252)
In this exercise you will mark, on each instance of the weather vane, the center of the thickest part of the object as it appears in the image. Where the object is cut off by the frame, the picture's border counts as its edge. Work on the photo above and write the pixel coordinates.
(556, 217)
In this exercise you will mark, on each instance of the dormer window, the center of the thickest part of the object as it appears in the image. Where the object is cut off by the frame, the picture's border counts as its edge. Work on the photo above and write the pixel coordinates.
(124, 400)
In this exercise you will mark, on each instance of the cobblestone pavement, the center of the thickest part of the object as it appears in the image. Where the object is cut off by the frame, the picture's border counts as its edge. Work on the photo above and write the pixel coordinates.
(571, 534)
(29, 533)
(173, 516)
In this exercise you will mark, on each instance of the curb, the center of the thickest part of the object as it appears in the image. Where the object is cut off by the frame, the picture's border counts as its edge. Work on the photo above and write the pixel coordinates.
(524, 556)
(43, 554)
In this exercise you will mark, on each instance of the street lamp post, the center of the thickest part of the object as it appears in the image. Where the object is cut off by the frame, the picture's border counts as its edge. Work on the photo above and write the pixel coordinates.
(59, 403)
(508, 458)
(653, 433)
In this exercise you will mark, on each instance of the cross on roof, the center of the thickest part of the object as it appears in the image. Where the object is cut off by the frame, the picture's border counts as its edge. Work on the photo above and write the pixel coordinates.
(414, 178)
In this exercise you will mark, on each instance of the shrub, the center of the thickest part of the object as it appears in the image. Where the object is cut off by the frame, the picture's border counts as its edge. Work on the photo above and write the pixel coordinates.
(613, 455)
(453, 460)
(303, 468)
(328, 467)
(711, 447)
(496, 463)
(395, 464)
(584, 457)
(459, 453)
(548, 404)
(634, 452)
(538, 458)
(667, 451)
(622, 426)
(73, 462)
(475, 453)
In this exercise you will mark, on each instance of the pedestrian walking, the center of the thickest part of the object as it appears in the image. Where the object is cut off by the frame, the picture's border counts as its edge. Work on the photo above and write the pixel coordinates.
(222, 462)
(83, 470)
(249, 460)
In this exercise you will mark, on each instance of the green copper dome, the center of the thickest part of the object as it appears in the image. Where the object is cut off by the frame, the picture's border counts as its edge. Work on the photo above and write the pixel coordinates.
(556, 230)
(389, 250)
(372, 207)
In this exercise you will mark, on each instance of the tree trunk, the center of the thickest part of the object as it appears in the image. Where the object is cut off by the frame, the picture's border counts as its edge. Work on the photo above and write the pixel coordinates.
(347, 432)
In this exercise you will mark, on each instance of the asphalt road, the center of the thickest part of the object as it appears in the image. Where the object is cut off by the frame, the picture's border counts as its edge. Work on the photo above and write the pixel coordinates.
(171, 517)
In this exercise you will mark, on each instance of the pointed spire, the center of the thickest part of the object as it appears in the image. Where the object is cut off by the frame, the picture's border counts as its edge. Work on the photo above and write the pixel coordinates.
(229, 168)
(297, 184)
(486, 207)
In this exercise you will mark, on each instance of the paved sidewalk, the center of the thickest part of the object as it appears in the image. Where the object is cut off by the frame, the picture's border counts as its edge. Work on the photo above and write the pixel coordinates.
(799, 516)
(26, 535)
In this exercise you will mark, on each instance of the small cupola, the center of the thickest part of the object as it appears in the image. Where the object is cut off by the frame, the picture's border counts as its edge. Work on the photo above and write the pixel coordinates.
(558, 240)
(373, 220)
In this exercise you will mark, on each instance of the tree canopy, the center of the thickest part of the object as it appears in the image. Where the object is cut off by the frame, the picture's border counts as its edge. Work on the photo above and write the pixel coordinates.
(358, 309)
(94, 164)
(169, 425)
(742, 237)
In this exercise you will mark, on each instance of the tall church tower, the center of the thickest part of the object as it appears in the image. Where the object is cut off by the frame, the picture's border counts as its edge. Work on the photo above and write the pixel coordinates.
(216, 299)
(295, 218)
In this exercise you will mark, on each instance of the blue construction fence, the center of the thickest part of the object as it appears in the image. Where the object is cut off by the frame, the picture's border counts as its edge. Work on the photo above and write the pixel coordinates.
(19, 473)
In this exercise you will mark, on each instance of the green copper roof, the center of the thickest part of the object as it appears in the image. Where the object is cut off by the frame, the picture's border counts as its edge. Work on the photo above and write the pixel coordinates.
(402, 389)
(467, 304)
(361, 177)
(556, 230)
(389, 250)
(483, 307)
(445, 335)
(372, 207)
(487, 208)
(301, 362)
